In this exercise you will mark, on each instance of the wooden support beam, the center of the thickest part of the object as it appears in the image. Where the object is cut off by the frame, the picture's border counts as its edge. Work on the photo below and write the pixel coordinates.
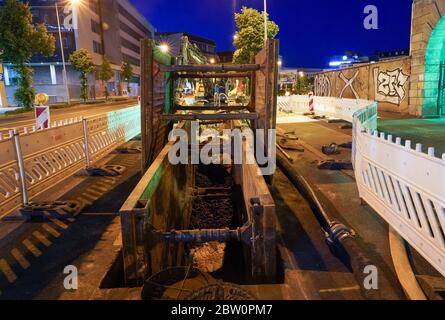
(218, 75)
(146, 101)
(210, 116)
(202, 108)
(211, 68)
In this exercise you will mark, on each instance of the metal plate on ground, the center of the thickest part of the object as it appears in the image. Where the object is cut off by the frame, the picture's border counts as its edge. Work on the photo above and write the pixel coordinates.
(175, 283)
(103, 171)
(221, 291)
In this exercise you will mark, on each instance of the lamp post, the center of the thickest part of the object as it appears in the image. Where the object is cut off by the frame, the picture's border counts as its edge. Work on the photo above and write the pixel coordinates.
(65, 77)
(265, 22)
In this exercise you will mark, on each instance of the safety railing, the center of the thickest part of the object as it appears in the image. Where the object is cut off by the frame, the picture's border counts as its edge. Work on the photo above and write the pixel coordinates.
(32, 162)
(404, 185)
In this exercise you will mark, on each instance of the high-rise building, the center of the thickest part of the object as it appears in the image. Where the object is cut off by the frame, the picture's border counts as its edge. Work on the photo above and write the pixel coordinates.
(111, 28)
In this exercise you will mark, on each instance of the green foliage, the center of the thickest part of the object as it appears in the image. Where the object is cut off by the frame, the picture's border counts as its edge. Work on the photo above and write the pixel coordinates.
(82, 61)
(106, 73)
(19, 40)
(249, 38)
(25, 92)
(127, 74)
(303, 85)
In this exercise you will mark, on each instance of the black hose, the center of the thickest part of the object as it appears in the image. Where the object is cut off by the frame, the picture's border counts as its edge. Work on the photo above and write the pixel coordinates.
(341, 238)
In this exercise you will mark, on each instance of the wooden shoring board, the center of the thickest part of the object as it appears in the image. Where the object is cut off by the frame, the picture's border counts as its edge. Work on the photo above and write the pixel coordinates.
(219, 75)
(204, 108)
(211, 68)
(159, 201)
(263, 250)
(211, 116)
(266, 88)
(154, 91)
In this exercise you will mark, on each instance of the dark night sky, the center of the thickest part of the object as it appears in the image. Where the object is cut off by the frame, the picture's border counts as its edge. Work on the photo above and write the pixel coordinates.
(311, 30)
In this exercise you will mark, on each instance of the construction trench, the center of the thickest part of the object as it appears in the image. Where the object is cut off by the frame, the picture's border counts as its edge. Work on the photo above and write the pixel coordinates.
(231, 230)
(197, 231)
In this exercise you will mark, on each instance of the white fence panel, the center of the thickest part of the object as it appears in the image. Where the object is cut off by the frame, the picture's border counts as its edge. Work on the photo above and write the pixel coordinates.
(51, 155)
(9, 177)
(405, 186)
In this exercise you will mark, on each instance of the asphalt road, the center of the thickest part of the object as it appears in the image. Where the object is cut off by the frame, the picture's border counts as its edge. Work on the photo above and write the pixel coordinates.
(27, 119)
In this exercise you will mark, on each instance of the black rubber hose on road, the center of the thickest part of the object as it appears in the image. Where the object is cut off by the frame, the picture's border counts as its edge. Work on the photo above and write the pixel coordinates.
(339, 236)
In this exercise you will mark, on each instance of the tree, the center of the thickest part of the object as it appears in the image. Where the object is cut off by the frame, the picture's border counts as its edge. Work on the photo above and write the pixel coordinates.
(127, 74)
(82, 62)
(249, 39)
(19, 40)
(106, 73)
(303, 85)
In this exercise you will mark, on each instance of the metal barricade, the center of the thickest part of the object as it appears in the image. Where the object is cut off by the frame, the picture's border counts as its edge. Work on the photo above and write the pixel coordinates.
(32, 162)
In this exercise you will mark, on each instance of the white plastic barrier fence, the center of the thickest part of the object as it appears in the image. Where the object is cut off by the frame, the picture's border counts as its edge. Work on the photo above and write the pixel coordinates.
(339, 108)
(32, 162)
(404, 185)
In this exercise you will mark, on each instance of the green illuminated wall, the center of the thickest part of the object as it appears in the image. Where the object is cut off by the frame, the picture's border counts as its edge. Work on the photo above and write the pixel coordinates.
(435, 54)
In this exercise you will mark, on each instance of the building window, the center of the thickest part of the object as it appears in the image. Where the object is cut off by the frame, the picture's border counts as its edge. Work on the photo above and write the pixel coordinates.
(130, 59)
(97, 47)
(133, 20)
(131, 32)
(95, 26)
(129, 45)
(66, 43)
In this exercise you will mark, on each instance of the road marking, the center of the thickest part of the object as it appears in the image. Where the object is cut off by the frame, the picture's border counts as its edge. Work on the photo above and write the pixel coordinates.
(42, 238)
(118, 241)
(103, 185)
(84, 201)
(7, 271)
(32, 248)
(99, 188)
(51, 230)
(94, 192)
(59, 224)
(90, 197)
(110, 180)
(20, 258)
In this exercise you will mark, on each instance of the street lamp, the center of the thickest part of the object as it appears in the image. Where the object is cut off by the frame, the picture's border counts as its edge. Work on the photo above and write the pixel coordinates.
(164, 47)
(65, 77)
(265, 23)
(74, 4)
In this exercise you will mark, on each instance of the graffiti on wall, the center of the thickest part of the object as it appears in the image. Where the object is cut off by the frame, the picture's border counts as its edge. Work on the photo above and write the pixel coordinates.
(322, 86)
(349, 83)
(390, 85)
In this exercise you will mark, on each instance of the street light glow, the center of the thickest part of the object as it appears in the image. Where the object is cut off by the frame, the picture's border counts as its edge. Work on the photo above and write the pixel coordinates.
(164, 47)
(212, 60)
(235, 37)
